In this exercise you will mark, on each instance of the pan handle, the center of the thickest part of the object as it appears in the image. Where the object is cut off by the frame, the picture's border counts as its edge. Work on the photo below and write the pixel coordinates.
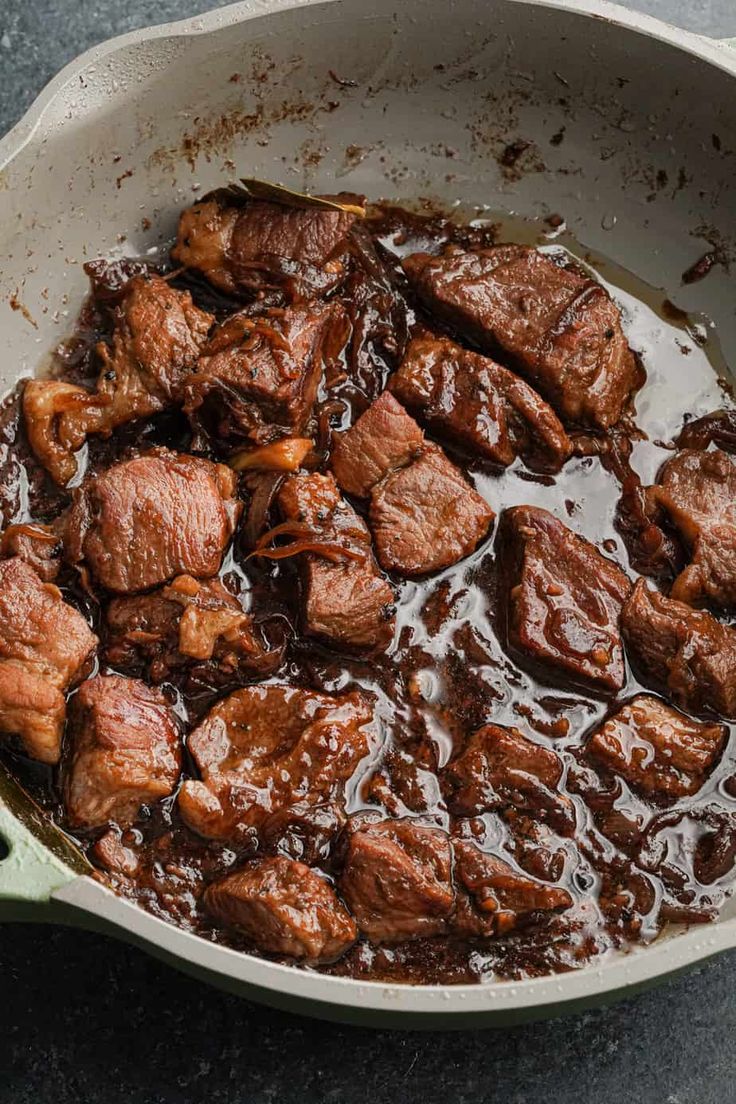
(35, 857)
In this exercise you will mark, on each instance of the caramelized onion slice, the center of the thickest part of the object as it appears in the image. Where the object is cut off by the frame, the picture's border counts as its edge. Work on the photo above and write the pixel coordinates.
(285, 455)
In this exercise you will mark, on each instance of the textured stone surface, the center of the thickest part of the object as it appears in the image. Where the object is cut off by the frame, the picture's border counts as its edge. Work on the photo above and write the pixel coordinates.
(85, 1020)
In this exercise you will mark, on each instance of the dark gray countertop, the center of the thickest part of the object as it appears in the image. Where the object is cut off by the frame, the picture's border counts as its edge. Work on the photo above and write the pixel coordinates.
(85, 1020)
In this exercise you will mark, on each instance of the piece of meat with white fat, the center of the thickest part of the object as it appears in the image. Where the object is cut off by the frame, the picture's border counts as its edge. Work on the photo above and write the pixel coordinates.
(697, 490)
(284, 908)
(187, 622)
(424, 514)
(559, 327)
(243, 246)
(258, 376)
(268, 747)
(46, 646)
(397, 880)
(125, 751)
(685, 651)
(658, 750)
(346, 600)
(146, 520)
(493, 898)
(499, 767)
(565, 599)
(157, 339)
(478, 404)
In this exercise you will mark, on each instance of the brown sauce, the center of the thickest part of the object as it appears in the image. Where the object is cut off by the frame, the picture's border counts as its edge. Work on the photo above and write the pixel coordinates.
(631, 866)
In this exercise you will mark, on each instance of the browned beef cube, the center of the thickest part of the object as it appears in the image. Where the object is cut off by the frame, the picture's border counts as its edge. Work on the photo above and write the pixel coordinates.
(423, 512)
(559, 327)
(45, 647)
(243, 246)
(397, 880)
(189, 621)
(284, 908)
(384, 438)
(38, 545)
(498, 767)
(479, 404)
(146, 520)
(426, 516)
(346, 600)
(157, 339)
(265, 748)
(685, 650)
(258, 376)
(565, 599)
(494, 898)
(125, 753)
(698, 492)
(658, 750)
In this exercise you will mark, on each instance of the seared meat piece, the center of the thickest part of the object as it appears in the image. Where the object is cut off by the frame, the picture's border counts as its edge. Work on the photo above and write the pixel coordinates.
(493, 898)
(189, 621)
(383, 439)
(242, 246)
(565, 599)
(146, 520)
(266, 748)
(157, 339)
(660, 751)
(397, 880)
(37, 544)
(427, 516)
(125, 753)
(559, 327)
(423, 512)
(284, 908)
(500, 767)
(346, 600)
(698, 492)
(45, 647)
(479, 404)
(258, 376)
(685, 650)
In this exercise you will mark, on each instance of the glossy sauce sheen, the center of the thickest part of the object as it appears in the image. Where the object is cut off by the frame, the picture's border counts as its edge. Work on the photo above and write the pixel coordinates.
(630, 866)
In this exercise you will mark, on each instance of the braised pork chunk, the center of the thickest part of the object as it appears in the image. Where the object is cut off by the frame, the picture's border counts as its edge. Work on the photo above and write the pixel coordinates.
(125, 752)
(269, 747)
(697, 490)
(242, 246)
(147, 520)
(499, 767)
(493, 898)
(346, 601)
(483, 407)
(258, 376)
(284, 908)
(564, 599)
(685, 651)
(45, 647)
(659, 750)
(559, 327)
(397, 880)
(157, 339)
